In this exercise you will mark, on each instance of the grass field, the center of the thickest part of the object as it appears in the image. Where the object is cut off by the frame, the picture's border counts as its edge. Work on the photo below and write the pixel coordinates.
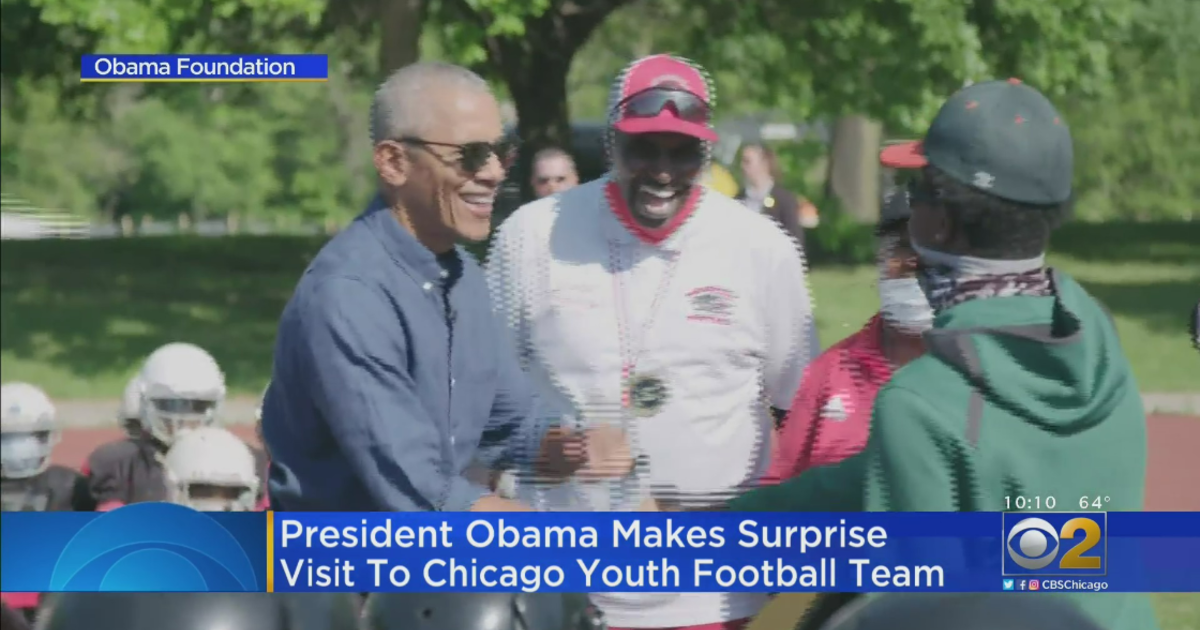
(79, 316)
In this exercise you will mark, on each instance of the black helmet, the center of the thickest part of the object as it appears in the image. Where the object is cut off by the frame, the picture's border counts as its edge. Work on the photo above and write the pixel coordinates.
(960, 611)
(200, 611)
(481, 611)
(11, 619)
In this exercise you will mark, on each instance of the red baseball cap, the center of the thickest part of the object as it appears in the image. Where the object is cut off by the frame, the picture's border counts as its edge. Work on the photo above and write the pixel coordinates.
(666, 71)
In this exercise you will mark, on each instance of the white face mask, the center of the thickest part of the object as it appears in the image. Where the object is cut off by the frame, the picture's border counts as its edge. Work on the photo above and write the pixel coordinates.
(23, 455)
(904, 306)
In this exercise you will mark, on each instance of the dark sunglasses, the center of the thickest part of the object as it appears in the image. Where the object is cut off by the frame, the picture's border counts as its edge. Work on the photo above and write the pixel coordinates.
(650, 103)
(641, 149)
(473, 156)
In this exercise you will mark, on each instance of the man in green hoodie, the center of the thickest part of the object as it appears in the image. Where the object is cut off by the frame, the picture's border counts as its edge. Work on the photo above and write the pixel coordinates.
(1025, 390)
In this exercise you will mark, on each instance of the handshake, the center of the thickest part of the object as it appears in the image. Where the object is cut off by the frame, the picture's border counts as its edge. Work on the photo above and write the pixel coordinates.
(591, 454)
(594, 454)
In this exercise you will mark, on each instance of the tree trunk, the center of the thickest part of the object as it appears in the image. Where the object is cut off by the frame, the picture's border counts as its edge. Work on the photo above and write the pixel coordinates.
(400, 44)
(541, 100)
(535, 67)
(854, 167)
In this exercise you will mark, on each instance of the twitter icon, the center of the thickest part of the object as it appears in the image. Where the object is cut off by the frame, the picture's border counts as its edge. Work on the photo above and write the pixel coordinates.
(1008, 585)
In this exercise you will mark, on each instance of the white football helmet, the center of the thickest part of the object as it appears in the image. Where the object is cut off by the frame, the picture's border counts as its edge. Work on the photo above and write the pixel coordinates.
(129, 414)
(28, 430)
(181, 386)
(211, 470)
(261, 401)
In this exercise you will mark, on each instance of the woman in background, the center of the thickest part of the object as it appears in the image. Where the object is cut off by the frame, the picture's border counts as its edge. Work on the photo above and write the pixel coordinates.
(763, 193)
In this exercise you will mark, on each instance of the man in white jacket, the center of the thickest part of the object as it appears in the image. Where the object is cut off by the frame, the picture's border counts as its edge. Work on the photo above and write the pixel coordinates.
(649, 303)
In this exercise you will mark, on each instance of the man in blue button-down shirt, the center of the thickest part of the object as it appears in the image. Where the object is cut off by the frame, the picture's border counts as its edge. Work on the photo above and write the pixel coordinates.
(391, 376)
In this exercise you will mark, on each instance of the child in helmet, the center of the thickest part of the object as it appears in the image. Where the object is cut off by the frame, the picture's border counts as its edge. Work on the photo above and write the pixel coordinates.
(28, 481)
(180, 387)
(129, 414)
(28, 434)
(212, 470)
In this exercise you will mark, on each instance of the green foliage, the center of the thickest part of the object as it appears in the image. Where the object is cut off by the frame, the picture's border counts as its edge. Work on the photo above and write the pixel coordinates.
(1138, 152)
(210, 150)
(154, 26)
(897, 59)
(464, 25)
(1124, 72)
(50, 160)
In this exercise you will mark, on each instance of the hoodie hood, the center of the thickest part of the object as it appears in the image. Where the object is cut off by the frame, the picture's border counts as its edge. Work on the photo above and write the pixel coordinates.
(1054, 362)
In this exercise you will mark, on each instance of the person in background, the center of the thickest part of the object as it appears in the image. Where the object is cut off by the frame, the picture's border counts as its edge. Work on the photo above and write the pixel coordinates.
(179, 387)
(1024, 383)
(763, 193)
(129, 413)
(212, 470)
(553, 172)
(645, 303)
(831, 416)
(201, 611)
(28, 433)
(957, 611)
(28, 481)
(485, 611)
(391, 377)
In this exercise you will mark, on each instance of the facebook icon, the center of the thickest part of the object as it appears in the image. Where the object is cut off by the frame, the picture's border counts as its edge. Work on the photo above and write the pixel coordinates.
(1021, 585)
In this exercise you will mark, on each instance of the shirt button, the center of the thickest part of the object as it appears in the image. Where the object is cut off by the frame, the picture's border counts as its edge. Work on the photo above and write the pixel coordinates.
(427, 286)
(452, 382)
(444, 274)
(453, 440)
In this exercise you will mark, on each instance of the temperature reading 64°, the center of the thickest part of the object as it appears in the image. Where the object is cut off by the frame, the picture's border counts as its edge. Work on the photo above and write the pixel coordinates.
(1094, 503)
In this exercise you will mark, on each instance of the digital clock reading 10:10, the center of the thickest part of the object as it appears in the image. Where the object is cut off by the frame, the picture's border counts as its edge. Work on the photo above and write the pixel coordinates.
(1029, 503)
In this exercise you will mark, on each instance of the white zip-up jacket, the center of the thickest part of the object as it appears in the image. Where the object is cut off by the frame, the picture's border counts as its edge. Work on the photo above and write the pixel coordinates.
(708, 327)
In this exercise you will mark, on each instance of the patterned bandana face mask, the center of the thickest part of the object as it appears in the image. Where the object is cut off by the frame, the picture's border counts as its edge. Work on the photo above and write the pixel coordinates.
(950, 279)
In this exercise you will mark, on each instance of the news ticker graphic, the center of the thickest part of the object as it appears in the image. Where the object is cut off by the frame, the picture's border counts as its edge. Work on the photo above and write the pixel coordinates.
(160, 547)
(203, 68)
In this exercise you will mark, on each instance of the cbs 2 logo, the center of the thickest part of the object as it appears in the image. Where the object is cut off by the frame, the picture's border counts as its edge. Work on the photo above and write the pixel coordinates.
(1033, 544)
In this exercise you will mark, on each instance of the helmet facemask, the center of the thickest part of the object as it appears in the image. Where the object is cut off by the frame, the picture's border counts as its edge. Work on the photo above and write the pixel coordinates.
(165, 414)
(213, 496)
(26, 453)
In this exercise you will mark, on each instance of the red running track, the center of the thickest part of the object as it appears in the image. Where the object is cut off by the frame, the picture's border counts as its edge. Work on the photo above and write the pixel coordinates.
(1174, 458)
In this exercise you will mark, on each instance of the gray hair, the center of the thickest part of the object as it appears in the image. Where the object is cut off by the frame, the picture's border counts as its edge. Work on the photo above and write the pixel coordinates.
(401, 106)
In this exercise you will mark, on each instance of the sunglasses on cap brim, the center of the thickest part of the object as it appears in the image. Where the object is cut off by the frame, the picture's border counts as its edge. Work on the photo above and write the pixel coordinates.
(650, 103)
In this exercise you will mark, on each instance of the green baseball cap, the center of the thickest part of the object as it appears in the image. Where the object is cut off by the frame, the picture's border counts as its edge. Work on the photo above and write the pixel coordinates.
(1000, 137)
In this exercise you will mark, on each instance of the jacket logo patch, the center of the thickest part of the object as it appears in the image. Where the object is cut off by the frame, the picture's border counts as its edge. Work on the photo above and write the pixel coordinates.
(713, 305)
(834, 410)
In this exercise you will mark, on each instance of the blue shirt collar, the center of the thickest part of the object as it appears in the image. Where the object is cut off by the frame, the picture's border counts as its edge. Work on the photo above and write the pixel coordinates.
(400, 244)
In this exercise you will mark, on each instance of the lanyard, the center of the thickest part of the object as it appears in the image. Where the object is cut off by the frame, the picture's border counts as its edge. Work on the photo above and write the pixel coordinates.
(631, 349)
